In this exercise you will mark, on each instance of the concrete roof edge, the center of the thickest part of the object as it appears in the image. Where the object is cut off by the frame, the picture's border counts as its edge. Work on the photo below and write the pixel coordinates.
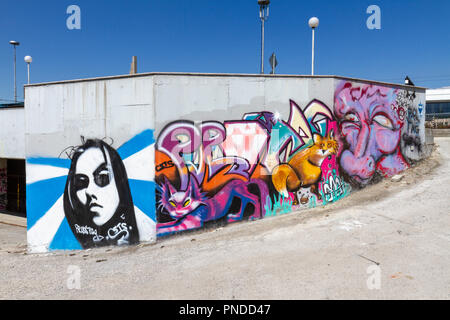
(220, 75)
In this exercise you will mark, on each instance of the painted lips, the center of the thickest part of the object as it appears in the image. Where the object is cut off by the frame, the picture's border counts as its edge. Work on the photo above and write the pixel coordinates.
(94, 205)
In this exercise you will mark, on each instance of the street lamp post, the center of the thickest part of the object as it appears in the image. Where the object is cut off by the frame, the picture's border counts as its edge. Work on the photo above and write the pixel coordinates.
(313, 23)
(15, 44)
(28, 60)
(264, 15)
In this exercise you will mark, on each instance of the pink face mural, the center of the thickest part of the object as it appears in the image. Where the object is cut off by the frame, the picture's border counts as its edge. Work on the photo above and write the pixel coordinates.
(370, 124)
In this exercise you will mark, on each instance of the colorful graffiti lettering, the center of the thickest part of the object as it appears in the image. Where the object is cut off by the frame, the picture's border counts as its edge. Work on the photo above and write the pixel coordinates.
(334, 188)
(191, 149)
(250, 168)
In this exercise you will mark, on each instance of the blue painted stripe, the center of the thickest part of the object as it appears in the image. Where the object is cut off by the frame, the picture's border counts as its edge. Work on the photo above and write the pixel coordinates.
(143, 194)
(136, 144)
(41, 196)
(64, 239)
(55, 162)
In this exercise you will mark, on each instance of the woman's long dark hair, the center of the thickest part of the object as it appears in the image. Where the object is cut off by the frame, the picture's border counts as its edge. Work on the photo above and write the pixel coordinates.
(121, 228)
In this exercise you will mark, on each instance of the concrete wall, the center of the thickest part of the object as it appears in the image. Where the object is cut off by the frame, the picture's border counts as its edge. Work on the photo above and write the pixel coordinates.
(226, 148)
(441, 132)
(83, 192)
(12, 133)
(57, 115)
(201, 98)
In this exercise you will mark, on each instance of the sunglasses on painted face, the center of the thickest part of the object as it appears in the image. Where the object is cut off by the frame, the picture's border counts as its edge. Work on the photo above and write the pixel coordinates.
(101, 178)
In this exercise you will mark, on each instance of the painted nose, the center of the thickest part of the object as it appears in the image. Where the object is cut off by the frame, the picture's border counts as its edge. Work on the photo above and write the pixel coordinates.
(359, 163)
(361, 168)
(362, 140)
(90, 192)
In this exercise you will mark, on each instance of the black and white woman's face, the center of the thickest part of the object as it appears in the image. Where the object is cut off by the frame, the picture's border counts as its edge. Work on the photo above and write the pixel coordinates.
(95, 185)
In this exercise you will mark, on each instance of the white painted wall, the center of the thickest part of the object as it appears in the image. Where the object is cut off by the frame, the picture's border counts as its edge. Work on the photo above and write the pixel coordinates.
(12, 133)
(201, 98)
(57, 115)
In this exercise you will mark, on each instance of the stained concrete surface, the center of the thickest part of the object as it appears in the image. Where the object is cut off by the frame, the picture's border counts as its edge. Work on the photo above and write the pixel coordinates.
(401, 226)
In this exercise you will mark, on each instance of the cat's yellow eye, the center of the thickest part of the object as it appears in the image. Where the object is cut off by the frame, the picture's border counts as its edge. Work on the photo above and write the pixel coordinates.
(187, 202)
(172, 204)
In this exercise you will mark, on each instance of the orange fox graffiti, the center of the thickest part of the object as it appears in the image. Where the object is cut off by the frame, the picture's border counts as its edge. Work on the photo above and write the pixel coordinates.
(303, 170)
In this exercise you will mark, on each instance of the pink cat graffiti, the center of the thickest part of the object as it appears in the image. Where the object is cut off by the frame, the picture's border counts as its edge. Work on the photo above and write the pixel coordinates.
(191, 208)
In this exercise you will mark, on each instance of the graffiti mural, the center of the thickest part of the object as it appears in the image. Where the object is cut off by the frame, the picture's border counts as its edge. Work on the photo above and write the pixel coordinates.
(246, 169)
(199, 174)
(191, 208)
(375, 122)
(3, 188)
(412, 134)
(92, 196)
(304, 169)
(97, 198)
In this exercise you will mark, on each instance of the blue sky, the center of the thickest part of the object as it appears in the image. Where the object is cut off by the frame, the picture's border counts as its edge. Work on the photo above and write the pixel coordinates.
(208, 36)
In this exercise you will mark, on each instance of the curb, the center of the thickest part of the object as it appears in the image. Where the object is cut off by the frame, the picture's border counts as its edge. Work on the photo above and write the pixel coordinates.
(13, 220)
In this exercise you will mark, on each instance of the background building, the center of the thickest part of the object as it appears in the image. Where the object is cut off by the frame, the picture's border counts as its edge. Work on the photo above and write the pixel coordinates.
(438, 103)
(12, 158)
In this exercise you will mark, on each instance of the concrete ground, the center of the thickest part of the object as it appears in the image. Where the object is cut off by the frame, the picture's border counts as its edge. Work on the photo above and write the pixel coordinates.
(388, 241)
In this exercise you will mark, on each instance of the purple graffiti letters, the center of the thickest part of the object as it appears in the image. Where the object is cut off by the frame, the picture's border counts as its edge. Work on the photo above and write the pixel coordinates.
(203, 145)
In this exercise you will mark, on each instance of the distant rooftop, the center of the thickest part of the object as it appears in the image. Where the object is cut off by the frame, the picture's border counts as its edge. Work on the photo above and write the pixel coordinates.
(224, 75)
(438, 95)
(18, 104)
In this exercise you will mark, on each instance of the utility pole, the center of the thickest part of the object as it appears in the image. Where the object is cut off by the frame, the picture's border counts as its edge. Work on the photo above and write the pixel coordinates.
(15, 44)
(313, 23)
(133, 69)
(28, 60)
(264, 15)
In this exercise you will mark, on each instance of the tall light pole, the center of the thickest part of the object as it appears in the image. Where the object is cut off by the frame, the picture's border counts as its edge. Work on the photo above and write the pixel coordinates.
(28, 60)
(15, 44)
(313, 23)
(264, 15)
